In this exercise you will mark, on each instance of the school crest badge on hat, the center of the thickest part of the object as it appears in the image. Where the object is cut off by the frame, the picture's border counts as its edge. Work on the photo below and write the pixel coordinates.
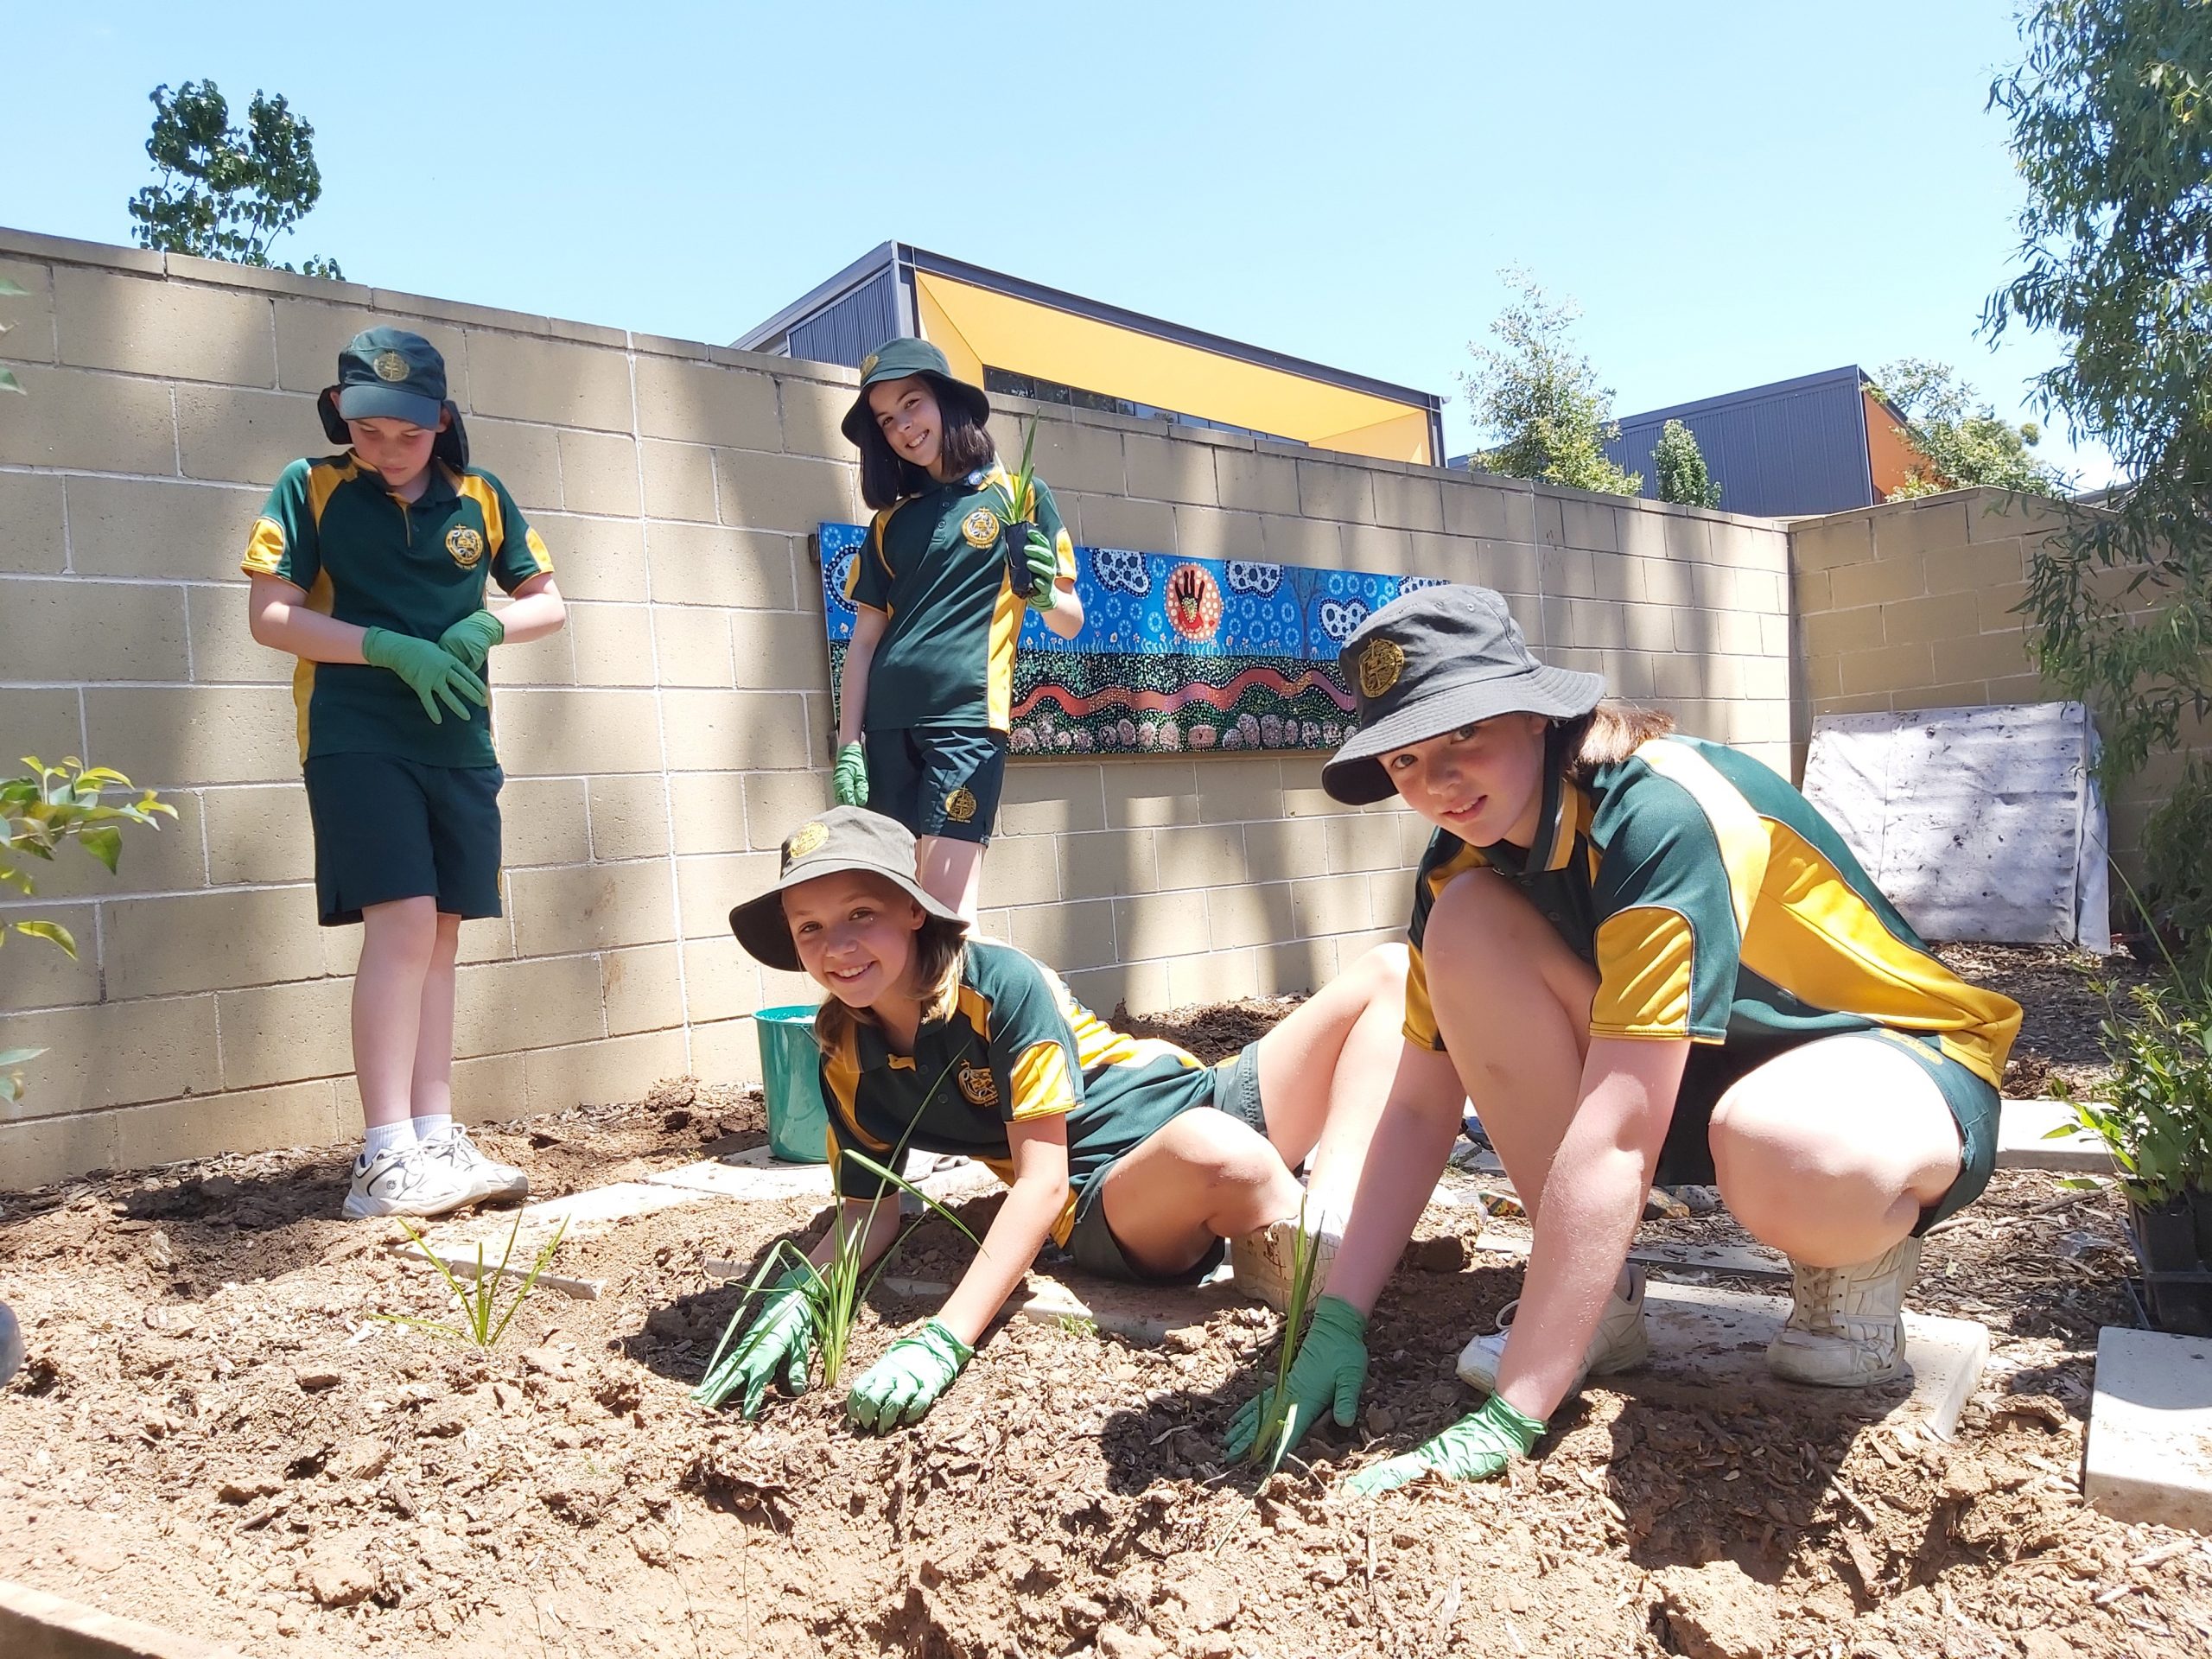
(466, 545)
(1380, 665)
(804, 839)
(390, 366)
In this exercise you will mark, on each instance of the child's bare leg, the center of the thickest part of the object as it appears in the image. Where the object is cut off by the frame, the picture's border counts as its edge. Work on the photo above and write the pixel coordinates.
(397, 944)
(430, 1086)
(950, 871)
(1829, 1152)
(1513, 1005)
(1199, 1176)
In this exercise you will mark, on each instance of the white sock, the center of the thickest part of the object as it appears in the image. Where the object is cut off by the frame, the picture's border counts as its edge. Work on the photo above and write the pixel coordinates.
(432, 1123)
(388, 1137)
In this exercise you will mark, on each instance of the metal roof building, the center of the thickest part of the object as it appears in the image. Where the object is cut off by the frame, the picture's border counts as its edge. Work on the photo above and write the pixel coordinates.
(1023, 339)
(1820, 443)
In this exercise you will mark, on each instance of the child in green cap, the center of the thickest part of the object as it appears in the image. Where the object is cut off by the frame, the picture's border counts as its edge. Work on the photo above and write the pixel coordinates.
(939, 589)
(369, 566)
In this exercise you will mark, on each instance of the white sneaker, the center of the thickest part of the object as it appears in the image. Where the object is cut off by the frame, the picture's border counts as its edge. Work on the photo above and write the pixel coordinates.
(1259, 1261)
(1847, 1324)
(1619, 1344)
(11, 1343)
(402, 1181)
(484, 1178)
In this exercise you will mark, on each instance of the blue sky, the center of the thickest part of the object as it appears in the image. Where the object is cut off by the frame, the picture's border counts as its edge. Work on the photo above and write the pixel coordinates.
(1734, 192)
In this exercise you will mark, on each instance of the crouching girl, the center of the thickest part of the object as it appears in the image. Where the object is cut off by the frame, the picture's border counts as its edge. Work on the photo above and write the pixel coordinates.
(1140, 1160)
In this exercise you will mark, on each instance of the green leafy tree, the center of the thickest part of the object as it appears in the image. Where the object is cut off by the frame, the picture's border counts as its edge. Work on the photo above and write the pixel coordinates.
(1680, 466)
(1540, 398)
(227, 193)
(41, 812)
(2111, 112)
(1965, 441)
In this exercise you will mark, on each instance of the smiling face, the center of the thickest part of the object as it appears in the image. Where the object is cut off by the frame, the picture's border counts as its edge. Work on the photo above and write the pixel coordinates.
(1485, 782)
(854, 935)
(906, 414)
(396, 451)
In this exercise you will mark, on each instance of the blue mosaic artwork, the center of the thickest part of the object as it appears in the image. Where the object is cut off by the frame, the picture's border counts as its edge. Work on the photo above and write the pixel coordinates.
(1175, 654)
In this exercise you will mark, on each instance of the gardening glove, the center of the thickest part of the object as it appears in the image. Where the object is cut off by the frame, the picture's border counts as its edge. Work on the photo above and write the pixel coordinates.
(1331, 1366)
(431, 671)
(907, 1380)
(780, 1337)
(849, 780)
(1027, 549)
(1476, 1447)
(471, 638)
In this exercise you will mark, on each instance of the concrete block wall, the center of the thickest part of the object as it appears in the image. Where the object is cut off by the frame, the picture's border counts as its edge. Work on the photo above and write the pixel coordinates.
(659, 748)
(1914, 604)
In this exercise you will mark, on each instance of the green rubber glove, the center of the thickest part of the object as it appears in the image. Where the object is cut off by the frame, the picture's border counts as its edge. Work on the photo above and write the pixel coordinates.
(1044, 565)
(431, 671)
(471, 638)
(1476, 1447)
(907, 1381)
(1330, 1368)
(780, 1337)
(849, 780)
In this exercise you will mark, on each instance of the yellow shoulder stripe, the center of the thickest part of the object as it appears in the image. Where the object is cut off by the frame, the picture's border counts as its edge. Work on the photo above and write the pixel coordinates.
(264, 549)
(1736, 823)
(1042, 1087)
(1644, 974)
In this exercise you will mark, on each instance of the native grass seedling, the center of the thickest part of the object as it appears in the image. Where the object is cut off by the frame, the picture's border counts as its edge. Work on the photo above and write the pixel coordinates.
(1280, 1425)
(482, 1323)
(1019, 506)
(8, 291)
(833, 1291)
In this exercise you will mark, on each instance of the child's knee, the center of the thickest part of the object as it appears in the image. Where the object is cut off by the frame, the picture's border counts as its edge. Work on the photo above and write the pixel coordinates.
(1226, 1154)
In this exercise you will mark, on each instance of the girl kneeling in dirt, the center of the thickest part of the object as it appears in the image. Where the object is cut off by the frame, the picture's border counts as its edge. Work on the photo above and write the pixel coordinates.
(1135, 1157)
(1646, 955)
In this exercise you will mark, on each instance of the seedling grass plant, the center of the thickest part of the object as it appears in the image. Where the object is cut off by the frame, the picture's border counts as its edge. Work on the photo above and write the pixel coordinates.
(833, 1291)
(1278, 1427)
(1018, 504)
(482, 1323)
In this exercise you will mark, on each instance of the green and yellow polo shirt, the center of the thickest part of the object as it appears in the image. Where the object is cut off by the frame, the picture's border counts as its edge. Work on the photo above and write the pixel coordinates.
(932, 563)
(1019, 1046)
(1717, 905)
(363, 556)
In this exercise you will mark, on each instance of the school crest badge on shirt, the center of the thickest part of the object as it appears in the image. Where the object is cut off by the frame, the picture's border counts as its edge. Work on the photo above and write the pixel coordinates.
(980, 528)
(466, 545)
(977, 1086)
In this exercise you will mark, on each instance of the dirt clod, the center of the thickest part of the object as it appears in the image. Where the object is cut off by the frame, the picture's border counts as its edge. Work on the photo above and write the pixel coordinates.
(1719, 1612)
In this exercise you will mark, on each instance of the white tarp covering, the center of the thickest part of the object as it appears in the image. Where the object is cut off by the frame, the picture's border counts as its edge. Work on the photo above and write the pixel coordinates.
(1979, 824)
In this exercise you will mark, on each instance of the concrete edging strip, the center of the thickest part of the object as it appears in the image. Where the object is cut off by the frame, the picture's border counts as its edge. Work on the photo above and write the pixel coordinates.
(37, 1625)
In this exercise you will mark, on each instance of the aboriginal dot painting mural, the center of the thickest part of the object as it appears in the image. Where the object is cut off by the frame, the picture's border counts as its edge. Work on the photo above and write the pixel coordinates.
(1176, 655)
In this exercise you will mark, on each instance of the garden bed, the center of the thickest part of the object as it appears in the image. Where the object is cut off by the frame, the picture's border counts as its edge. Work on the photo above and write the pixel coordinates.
(214, 1435)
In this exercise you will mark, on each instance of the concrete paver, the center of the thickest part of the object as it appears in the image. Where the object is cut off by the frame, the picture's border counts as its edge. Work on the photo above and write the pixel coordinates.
(2024, 1140)
(2150, 1448)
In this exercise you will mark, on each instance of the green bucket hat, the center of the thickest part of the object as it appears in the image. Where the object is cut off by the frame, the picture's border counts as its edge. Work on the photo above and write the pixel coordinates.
(1430, 662)
(896, 358)
(844, 838)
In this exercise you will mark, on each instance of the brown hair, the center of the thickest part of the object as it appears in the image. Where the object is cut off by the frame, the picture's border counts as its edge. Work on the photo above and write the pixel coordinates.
(940, 953)
(964, 443)
(1607, 735)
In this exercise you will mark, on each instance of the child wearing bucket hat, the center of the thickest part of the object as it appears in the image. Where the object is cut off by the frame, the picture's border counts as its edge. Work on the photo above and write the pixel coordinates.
(1131, 1154)
(1650, 957)
(939, 589)
(370, 566)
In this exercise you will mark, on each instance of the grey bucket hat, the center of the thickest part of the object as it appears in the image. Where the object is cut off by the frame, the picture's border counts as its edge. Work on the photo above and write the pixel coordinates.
(844, 838)
(1430, 662)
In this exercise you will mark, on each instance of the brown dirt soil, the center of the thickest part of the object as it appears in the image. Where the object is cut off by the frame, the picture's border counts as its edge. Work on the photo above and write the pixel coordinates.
(213, 1435)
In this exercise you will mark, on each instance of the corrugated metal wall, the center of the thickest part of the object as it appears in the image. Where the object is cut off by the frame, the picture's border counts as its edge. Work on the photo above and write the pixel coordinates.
(1794, 448)
(849, 328)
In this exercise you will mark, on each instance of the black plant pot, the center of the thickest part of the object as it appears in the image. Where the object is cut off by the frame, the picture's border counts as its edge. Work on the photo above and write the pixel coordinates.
(2176, 1277)
(2200, 1207)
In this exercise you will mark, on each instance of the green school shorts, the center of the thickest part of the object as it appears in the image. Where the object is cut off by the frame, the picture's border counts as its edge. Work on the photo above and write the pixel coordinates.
(388, 828)
(1686, 1158)
(938, 780)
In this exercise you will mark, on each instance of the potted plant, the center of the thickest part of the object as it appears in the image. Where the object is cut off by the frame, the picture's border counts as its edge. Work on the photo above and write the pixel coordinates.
(2154, 1116)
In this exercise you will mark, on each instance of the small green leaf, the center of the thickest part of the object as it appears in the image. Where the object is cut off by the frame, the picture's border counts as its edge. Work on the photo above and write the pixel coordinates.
(11, 289)
(9, 383)
(53, 932)
(18, 1056)
(106, 845)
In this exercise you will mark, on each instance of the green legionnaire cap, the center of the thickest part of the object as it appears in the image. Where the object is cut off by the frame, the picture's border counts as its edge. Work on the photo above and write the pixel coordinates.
(844, 838)
(896, 358)
(1430, 662)
(391, 374)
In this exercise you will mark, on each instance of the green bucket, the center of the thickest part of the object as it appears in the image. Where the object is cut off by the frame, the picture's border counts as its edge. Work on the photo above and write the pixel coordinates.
(790, 1076)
